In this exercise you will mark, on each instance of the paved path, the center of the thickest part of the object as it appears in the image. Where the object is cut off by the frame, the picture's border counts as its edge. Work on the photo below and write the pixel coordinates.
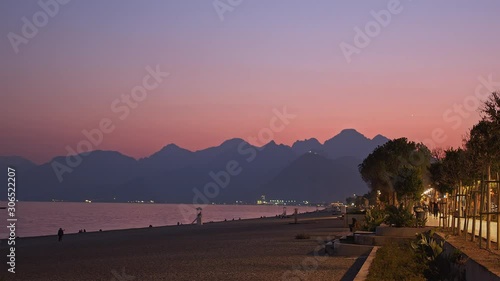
(431, 221)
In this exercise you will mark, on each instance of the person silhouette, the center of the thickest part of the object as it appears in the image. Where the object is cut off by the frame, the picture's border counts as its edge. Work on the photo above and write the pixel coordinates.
(354, 226)
(436, 209)
(60, 234)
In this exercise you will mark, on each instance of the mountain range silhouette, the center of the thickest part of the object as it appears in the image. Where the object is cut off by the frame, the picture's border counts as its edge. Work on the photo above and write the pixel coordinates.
(306, 171)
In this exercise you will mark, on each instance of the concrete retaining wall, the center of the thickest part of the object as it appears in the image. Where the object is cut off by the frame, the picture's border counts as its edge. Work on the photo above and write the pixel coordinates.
(400, 231)
(473, 270)
(373, 240)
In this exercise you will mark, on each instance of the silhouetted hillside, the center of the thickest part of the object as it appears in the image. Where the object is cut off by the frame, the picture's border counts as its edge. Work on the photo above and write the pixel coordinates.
(315, 178)
(351, 143)
(308, 170)
(301, 147)
(83, 181)
(16, 162)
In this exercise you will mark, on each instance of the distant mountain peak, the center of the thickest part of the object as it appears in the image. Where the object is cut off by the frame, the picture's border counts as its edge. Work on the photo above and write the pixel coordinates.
(232, 142)
(379, 140)
(347, 135)
(171, 147)
(380, 137)
(349, 142)
(107, 153)
(169, 150)
(350, 132)
(302, 146)
(310, 141)
(271, 143)
(347, 130)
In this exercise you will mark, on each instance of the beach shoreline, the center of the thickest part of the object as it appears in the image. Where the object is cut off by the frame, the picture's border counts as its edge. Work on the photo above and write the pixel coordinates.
(251, 249)
(319, 211)
(45, 218)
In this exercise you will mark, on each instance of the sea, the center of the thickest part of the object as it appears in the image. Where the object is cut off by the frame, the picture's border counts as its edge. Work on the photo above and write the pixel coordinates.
(45, 218)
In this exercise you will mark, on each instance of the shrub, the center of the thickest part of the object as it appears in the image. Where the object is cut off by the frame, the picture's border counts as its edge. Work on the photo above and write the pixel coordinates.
(438, 264)
(396, 261)
(374, 218)
(399, 217)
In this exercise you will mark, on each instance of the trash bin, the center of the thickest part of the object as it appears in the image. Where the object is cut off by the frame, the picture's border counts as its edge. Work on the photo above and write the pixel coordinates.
(420, 215)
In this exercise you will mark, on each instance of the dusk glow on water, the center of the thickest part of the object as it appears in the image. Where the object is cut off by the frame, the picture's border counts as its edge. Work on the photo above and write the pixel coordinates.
(45, 218)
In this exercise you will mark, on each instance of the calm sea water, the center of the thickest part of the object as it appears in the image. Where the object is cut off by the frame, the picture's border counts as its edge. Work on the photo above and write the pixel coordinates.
(45, 218)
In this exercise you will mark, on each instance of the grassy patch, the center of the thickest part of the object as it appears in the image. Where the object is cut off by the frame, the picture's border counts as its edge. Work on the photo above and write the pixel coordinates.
(396, 261)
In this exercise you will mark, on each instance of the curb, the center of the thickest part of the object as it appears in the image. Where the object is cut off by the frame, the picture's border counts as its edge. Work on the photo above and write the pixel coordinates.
(363, 272)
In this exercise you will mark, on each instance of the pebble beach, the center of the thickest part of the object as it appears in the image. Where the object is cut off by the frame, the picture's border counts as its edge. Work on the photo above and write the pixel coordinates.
(257, 249)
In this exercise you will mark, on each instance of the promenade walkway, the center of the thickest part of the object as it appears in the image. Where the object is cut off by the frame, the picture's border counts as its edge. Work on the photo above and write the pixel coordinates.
(431, 221)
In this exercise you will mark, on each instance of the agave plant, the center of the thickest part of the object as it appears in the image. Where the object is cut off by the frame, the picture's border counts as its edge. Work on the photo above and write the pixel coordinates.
(374, 218)
(427, 246)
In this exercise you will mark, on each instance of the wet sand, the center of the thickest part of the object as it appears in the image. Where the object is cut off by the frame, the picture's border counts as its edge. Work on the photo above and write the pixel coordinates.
(260, 249)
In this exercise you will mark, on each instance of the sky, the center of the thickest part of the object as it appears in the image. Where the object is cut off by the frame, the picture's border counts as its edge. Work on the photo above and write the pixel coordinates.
(232, 64)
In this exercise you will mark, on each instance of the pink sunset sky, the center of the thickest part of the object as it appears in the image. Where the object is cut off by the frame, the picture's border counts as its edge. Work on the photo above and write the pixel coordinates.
(227, 76)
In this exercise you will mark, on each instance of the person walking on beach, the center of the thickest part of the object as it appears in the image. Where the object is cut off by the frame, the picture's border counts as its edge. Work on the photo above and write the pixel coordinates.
(60, 233)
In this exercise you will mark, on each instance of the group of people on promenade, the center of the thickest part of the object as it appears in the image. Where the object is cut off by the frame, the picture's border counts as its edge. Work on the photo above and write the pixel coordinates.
(432, 208)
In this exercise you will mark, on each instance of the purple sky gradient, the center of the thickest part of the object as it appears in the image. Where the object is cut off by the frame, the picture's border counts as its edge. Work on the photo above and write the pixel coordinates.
(227, 76)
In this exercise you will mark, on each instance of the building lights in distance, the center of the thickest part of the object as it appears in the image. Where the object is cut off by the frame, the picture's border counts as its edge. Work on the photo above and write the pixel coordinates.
(427, 191)
(141, 201)
(263, 201)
